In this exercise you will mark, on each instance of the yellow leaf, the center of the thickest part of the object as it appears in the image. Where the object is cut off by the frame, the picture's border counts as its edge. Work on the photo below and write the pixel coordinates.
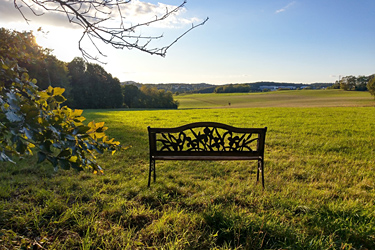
(99, 135)
(50, 90)
(73, 158)
(25, 76)
(43, 95)
(77, 112)
(80, 118)
(99, 124)
(30, 152)
(58, 91)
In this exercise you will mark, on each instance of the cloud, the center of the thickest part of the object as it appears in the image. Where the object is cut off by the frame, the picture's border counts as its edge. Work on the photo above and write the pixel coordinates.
(133, 13)
(7, 11)
(285, 7)
(9, 14)
(139, 12)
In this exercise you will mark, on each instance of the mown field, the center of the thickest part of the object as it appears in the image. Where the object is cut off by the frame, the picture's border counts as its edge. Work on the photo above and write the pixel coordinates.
(319, 178)
(299, 98)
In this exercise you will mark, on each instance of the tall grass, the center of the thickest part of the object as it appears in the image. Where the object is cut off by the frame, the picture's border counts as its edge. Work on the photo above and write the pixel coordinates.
(319, 178)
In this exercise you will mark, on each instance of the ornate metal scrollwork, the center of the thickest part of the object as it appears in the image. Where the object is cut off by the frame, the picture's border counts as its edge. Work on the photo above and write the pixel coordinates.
(207, 139)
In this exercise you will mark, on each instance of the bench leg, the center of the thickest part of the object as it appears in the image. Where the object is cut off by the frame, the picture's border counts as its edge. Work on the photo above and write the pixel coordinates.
(261, 170)
(152, 169)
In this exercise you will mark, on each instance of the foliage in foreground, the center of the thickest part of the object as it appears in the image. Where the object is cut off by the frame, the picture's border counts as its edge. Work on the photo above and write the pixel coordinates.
(35, 121)
(319, 176)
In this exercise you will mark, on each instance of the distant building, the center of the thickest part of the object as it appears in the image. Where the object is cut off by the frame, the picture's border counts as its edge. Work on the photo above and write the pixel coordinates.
(272, 88)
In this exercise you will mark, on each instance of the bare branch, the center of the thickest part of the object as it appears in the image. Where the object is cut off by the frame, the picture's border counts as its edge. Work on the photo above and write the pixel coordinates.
(93, 17)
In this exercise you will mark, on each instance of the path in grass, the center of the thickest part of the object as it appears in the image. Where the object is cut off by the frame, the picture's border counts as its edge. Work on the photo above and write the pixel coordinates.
(291, 98)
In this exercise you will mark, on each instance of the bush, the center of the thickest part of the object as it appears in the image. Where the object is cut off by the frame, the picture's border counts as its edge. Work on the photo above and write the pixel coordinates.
(35, 121)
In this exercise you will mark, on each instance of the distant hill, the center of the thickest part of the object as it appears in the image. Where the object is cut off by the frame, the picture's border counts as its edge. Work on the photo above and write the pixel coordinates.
(176, 87)
(211, 88)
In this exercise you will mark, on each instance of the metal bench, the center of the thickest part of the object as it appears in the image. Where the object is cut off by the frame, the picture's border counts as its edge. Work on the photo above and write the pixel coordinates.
(207, 141)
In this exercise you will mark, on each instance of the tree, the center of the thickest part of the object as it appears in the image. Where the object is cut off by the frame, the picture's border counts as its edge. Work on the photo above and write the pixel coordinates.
(95, 17)
(348, 83)
(132, 96)
(147, 97)
(336, 85)
(371, 85)
(33, 120)
(92, 87)
(361, 83)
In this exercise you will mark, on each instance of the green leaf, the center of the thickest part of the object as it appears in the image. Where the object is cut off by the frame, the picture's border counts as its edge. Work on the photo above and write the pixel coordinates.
(13, 117)
(53, 160)
(64, 153)
(46, 146)
(41, 157)
(60, 98)
(81, 130)
(100, 151)
(70, 138)
(76, 166)
(4, 157)
(21, 147)
(31, 114)
(64, 164)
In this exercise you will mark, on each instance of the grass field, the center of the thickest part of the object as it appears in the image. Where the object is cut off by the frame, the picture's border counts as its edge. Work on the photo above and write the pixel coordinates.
(292, 98)
(319, 178)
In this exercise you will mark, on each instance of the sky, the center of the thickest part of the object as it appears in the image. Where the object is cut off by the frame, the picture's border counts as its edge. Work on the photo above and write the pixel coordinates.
(244, 41)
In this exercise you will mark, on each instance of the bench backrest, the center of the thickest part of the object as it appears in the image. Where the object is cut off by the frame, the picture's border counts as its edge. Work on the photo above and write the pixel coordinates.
(207, 139)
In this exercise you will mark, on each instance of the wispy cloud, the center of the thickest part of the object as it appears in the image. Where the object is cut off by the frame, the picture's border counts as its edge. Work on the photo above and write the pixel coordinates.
(138, 11)
(285, 7)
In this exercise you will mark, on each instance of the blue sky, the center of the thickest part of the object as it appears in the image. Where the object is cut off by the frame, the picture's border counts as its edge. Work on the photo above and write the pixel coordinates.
(302, 41)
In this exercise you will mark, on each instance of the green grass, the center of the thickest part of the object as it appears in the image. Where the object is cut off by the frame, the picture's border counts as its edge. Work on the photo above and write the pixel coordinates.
(319, 178)
(285, 98)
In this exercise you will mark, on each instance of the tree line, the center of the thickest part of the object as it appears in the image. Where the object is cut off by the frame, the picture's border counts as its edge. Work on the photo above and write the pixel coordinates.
(87, 85)
(352, 83)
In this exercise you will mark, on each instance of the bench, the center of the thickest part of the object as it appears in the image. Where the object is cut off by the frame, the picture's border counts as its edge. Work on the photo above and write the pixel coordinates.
(206, 141)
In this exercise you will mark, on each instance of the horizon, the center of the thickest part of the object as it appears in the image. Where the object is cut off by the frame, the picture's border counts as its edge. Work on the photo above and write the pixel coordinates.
(270, 82)
(298, 42)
